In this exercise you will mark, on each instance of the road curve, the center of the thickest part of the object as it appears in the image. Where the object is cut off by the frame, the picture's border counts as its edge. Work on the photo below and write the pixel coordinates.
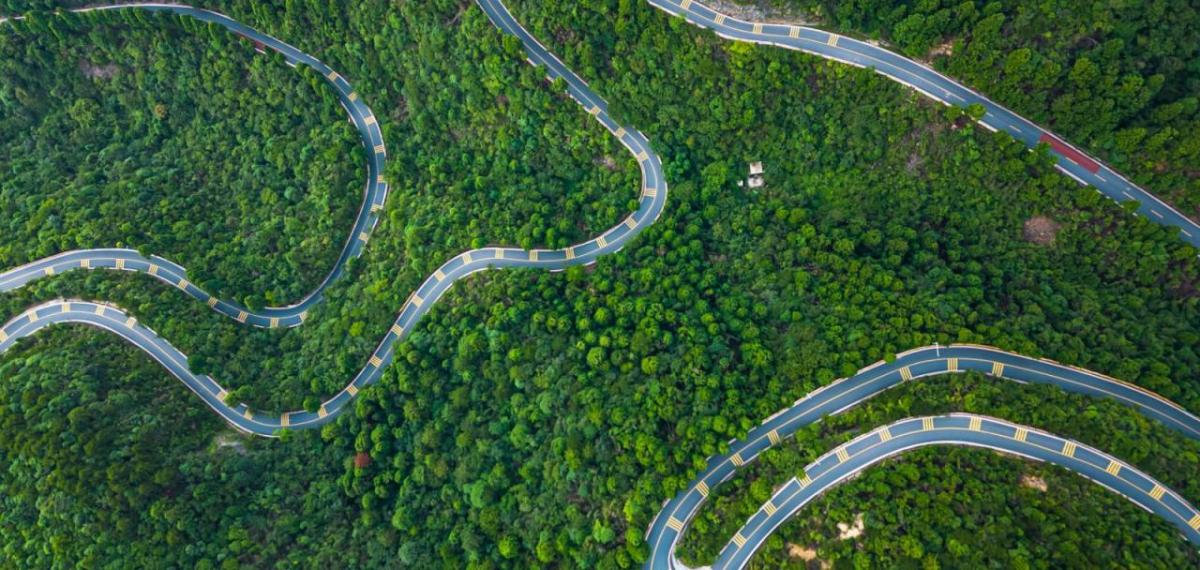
(1078, 165)
(374, 196)
(671, 521)
(108, 317)
(970, 430)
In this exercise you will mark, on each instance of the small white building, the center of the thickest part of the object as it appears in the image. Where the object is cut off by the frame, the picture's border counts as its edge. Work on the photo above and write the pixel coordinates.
(756, 179)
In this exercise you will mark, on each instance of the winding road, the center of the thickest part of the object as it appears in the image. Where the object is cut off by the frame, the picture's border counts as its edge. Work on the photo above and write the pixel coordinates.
(671, 522)
(1081, 167)
(652, 199)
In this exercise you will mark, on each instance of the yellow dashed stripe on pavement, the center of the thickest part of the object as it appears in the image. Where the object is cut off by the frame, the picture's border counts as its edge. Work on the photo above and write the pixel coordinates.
(976, 424)
(130, 322)
(736, 459)
(352, 96)
(601, 242)
(274, 322)
(439, 275)
(48, 271)
(702, 488)
(1021, 434)
(370, 120)
(769, 508)
(833, 40)
(3, 336)
(739, 540)
(1113, 467)
(1069, 449)
(795, 33)
(153, 269)
(332, 75)
(242, 316)
(927, 424)
(397, 330)
(376, 361)
(758, 28)
(804, 480)
(322, 412)
(885, 435)
(416, 301)
(842, 455)
(1157, 492)
(773, 437)
(85, 263)
(1195, 522)
(183, 283)
(905, 374)
(352, 389)
(675, 524)
(997, 369)
(120, 264)
(284, 420)
(212, 302)
(952, 365)
(720, 19)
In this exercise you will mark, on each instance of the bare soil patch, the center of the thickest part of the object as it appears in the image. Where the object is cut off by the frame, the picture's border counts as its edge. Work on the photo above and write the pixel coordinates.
(1041, 230)
(1034, 482)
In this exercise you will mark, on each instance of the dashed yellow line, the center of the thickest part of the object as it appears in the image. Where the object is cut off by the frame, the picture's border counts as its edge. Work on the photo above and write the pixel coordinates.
(274, 322)
(952, 365)
(842, 455)
(66, 307)
(769, 508)
(466, 258)
(353, 96)
(601, 242)
(120, 264)
(153, 269)
(773, 437)
(997, 369)
(630, 222)
(795, 33)
(804, 480)
(619, 133)
(364, 236)
(183, 284)
(737, 460)
(1021, 435)
(976, 424)
(3, 336)
(370, 120)
(1157, 492)
(885, 435)
(649, 192)
(212, 302)
(570, 253)
(1195, 522)
(439, 275)
(397, 330)
(833, 40)
(130, 322)
(376, 361)
(1069, 449)
(758, 28)
(642, 156)
(352, 389)
(85, 263)
(675, 524)
(248, 414)
(720, 19)
(242, 316)
(284, 420)
(379, 149)
(905, 374)
(48, 271)
(927, 424)
(322, 412)
(702, 488)
(416, 301)
(738, 539)
(332, 75)
(1113, 467)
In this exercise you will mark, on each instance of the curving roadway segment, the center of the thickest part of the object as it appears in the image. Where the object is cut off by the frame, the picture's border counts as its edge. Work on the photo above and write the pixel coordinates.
(1083, 168)
(847, 460)
(671, 522)
(375, 194)
(652, 199)
(665, 531)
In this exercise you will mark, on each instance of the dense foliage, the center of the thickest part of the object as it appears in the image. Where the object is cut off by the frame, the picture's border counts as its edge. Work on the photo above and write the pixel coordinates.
(1118, 78)
(536, 419)
(959, 508)
(123, 129)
